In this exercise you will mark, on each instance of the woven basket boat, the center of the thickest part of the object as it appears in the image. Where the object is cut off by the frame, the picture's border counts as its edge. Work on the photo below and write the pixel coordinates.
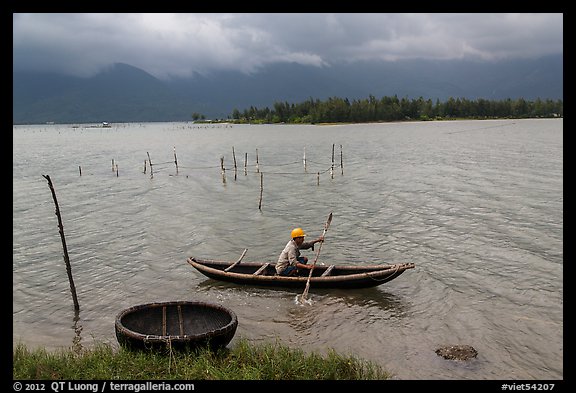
(181, 325)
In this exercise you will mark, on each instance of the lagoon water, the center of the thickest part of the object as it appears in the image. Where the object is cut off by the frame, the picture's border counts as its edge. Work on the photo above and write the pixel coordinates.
(476, 205)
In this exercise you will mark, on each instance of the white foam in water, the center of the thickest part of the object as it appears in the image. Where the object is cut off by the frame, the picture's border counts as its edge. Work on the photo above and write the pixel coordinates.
(300, 300)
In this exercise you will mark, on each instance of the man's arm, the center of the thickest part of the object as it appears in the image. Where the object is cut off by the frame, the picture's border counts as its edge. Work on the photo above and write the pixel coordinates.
(310, 244)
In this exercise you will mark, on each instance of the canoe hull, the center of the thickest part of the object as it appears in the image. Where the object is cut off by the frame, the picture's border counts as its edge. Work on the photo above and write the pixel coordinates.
(263, 274)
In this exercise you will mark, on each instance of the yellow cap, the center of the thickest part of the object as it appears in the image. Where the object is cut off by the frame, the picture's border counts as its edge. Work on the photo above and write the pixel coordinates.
(297, 232)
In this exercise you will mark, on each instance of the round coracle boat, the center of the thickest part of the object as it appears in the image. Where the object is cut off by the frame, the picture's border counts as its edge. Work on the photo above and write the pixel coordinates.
(181, 325)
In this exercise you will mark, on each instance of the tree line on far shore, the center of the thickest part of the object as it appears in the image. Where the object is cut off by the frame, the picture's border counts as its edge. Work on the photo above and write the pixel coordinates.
(371, 109)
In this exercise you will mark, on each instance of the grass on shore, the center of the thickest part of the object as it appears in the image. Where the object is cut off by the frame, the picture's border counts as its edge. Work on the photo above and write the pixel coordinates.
(242, 362)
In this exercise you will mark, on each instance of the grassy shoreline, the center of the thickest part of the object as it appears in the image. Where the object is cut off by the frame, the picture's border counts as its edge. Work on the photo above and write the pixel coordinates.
(244, 361)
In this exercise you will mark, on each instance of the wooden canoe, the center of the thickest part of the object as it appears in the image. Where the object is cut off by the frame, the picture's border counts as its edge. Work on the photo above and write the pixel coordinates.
(324, 276)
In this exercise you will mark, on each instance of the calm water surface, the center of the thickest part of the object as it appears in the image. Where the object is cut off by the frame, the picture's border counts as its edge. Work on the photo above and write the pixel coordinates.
(476, 205)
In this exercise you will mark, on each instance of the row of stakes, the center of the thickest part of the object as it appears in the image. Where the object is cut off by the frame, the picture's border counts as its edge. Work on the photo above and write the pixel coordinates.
(223, 168)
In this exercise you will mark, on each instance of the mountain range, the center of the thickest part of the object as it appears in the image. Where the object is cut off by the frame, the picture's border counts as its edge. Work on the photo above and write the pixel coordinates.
(124, 93)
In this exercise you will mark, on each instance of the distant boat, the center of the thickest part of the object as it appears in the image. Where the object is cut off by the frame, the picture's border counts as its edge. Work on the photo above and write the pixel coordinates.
(106, 124)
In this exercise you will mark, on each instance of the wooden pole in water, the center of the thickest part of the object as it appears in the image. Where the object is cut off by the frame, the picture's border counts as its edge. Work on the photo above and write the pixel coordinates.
(175, 160)
(261, 190)
(116, 170)
(318, 178)
(144, 166)
(257, 163)
(66, 258)
(223, 169)
(80, 170)
(332, 167)
(235, 167)
(77, 340)
(112, 165)
(304, 159)
(341, 162)
(245, 163)
(150, 162)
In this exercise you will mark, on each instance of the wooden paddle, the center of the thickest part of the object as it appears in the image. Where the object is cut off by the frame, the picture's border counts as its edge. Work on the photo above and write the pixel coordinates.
(305, 293)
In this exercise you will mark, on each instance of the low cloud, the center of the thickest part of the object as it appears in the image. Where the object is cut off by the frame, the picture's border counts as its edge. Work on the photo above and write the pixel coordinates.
(181, 44)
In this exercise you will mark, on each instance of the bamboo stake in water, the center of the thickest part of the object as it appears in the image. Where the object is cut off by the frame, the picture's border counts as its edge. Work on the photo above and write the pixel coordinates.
(150, 162)
(77, 340)
(245, 163)
(223, 169)
(332, 167)
(341, 161)
(235, 167)
(261, 190)
(175, 160)
(66, 258)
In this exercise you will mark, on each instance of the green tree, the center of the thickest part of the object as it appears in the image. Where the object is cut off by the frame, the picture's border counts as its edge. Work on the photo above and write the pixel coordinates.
(196, 116)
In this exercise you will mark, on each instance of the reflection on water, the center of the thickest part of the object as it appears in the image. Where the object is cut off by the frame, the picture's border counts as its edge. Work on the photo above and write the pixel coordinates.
(477, 206)
(364, 297)
(77, 340)
(373, 298)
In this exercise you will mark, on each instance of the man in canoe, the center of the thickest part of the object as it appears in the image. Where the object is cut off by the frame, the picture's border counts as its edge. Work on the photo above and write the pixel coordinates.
(290, 260)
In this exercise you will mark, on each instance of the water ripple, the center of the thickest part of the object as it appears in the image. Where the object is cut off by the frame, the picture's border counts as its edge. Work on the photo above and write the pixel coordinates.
(477, 206)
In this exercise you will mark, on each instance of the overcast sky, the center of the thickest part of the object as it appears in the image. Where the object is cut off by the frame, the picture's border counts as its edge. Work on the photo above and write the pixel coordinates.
(179, 44)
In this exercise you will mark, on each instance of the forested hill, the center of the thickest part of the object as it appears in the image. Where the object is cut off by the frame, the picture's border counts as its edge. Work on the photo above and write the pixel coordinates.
(373, 109)
(124, 93)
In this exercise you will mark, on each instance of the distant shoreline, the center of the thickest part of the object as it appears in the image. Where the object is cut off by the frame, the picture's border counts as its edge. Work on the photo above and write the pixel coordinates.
(229, 122)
